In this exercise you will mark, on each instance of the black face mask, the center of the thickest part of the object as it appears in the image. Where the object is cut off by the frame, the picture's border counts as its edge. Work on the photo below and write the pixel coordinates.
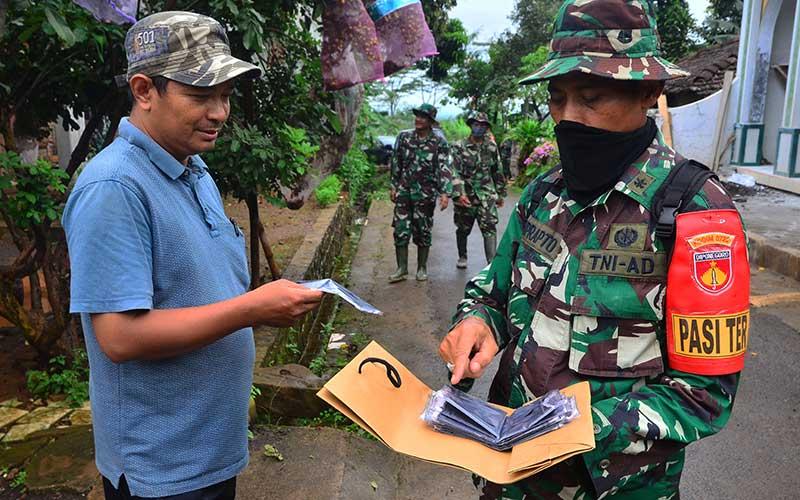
(593, 159)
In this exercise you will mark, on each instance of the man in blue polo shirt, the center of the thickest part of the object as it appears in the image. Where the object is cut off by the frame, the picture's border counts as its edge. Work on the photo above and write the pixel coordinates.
(159, 275)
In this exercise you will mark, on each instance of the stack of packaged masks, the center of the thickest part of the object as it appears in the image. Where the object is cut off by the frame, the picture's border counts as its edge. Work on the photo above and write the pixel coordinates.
(451, 411)
(367, 41)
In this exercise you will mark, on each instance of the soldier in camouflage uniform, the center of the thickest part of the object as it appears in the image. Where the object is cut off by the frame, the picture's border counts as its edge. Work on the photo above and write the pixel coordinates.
(550, 298)
(478, 188)
(420, 174)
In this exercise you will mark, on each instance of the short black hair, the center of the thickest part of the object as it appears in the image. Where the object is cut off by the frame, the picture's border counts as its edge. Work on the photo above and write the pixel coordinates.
(160, 83)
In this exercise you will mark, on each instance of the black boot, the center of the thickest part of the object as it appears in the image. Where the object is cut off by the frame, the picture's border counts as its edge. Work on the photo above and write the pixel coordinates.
(402, 265)
(461, 243)
(490, 247)
(422, 263)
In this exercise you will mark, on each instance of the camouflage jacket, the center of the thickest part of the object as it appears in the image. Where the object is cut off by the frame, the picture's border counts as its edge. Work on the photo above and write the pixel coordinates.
(561, 317)
(421, 167)
(477, 172)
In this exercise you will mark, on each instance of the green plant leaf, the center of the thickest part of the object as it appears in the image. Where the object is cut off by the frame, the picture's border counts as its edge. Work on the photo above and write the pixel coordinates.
(59, 24)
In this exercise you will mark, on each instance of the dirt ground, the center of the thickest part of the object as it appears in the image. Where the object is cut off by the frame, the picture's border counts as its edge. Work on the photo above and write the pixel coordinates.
(285, 228)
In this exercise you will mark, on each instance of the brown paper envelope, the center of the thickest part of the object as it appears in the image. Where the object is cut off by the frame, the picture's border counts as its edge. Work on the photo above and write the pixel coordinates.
(393, 416)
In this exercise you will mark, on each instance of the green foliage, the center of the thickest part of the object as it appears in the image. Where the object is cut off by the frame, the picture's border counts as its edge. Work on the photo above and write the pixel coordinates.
(723, 20)
(455, 129)
(327, 193)
(356, 170)
(333, 418)
(20, 480)
(32, 193)
(451, 42)
(318, 365)
(529, 133)
(67, 377)
(676, 27)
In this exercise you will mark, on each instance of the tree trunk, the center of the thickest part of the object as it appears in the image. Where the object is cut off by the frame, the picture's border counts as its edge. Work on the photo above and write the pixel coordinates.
(255, 253)
(331, 150)
(273, 266)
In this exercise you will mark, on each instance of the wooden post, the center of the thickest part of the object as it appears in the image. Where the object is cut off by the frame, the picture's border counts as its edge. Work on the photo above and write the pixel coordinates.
(666, 128)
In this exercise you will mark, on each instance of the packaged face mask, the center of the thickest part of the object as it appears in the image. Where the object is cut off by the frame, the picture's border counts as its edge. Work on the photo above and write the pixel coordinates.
(453, 412)
(332, 287)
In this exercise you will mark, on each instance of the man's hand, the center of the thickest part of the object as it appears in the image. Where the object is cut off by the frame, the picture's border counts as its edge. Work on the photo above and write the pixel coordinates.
(500, 202)
(443, 201)
(393, 195)
(470, 336)
(463, 201)
(282, 302)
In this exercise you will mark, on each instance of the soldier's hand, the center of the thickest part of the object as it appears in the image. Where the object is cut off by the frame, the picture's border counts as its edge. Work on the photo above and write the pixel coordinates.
(393, 195)
(282, 303)
(443, 201)
(501, 202)
(470, 347)
(463, 200)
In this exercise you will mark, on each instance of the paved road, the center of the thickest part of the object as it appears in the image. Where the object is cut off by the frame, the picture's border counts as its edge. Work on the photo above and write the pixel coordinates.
(756, 457)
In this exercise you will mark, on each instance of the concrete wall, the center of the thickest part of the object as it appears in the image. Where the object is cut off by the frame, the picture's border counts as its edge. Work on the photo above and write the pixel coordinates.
(693, 126)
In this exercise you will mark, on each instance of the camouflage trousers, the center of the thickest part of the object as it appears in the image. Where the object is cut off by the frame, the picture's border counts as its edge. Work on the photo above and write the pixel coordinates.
(485, 214)
(413, 219)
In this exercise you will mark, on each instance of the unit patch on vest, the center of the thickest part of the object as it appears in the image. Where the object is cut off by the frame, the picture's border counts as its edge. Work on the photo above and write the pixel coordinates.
(541, 238)
(640, 183)
(711, 255)
(627, 237)
(624, 264)
(711, 336)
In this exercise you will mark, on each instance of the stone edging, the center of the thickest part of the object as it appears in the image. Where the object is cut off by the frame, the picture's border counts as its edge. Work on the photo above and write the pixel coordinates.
(780, 259)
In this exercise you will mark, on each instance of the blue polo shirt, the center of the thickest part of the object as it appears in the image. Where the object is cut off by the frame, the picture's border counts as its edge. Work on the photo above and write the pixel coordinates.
(144, 232)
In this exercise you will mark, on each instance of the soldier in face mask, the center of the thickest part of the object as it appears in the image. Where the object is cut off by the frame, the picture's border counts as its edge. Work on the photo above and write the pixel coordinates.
(478, 187)
(577, 289)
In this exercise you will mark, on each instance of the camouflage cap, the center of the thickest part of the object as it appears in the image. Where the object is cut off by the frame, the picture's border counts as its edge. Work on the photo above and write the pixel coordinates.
(479, 117)
(183, 46)
(428, 111)
(608, 38)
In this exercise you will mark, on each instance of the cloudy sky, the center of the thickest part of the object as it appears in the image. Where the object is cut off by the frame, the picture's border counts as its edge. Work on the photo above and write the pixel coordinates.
(490, 18)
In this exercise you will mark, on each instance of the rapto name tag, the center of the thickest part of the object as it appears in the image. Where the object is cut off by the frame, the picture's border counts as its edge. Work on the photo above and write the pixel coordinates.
(711, 337)
(541, 238)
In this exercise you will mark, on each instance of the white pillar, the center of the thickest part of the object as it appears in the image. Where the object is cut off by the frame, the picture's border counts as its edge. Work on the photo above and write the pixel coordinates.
(789, 134)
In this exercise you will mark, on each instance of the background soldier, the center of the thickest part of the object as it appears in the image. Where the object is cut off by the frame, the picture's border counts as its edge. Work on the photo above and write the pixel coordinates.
(420, 173)
(506, 148)
(478, 188)
(561, 317)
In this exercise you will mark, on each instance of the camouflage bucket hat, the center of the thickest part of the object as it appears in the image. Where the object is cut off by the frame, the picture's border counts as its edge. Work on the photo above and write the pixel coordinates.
(608, 38)
(183, 46)
(479, 117)
(428, 111)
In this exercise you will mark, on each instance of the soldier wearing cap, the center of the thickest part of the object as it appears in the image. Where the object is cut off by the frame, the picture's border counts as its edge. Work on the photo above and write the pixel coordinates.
(160, 278)
(479, 187)
(552, 301)
(420, 174)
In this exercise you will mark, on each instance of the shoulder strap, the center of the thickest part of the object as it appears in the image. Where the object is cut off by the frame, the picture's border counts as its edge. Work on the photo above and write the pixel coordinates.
(684, 181)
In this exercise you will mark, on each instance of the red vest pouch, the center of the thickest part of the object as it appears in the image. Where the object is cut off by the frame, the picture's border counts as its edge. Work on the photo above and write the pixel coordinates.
(708, 294)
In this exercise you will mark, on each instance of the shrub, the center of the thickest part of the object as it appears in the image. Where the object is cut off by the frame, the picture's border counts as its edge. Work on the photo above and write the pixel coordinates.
(356, 170)
(70, 378)
(327, 193)
(543, 156)
(455, 130)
